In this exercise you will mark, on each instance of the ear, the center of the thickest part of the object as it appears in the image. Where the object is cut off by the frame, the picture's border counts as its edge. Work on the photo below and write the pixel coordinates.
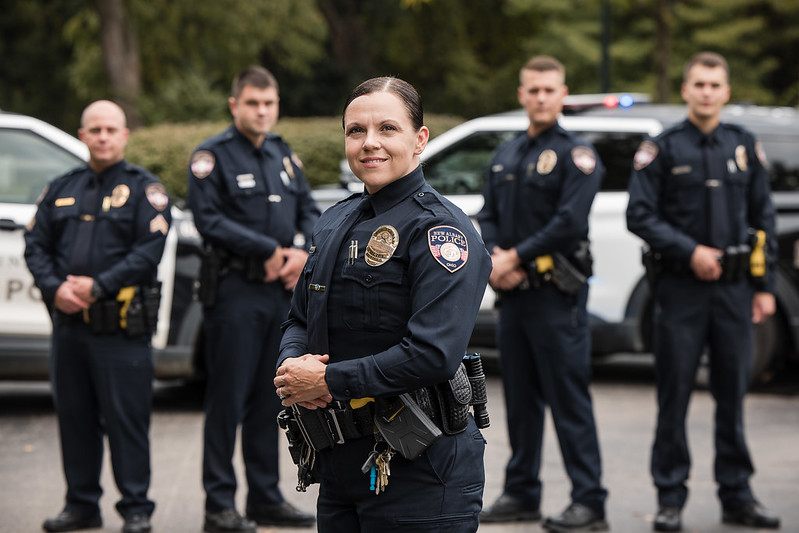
(231, 104)
(422, 136)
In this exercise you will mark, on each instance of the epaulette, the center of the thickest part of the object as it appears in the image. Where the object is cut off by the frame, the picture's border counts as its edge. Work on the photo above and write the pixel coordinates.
(433, 202)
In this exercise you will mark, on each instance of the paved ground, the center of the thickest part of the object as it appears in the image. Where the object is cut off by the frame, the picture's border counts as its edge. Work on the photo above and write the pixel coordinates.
(32, 486)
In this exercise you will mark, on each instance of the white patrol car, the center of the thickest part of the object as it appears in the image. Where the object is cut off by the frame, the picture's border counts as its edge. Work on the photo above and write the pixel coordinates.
(619, 303)
(32, 153)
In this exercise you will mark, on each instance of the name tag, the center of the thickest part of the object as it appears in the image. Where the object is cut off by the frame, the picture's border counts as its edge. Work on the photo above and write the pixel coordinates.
(684, 169)
(245, 181)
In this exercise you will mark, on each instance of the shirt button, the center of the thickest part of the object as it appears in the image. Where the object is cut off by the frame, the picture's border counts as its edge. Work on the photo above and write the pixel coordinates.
(368, 278)
(420, 194)
(347, 393)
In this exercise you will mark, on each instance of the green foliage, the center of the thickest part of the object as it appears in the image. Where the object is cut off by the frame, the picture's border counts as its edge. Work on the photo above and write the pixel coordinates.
(165, 149)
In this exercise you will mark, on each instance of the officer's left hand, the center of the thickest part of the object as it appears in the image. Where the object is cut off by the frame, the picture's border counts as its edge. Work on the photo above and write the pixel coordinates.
(273, 265)
(763, 306)
(82, 287)
(292, 268)
(301, 380)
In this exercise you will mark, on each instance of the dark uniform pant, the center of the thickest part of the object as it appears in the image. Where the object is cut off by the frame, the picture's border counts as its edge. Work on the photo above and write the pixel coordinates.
(102, 384)
(441, 491)
(545, 360)
(242, 334)
(689, 316)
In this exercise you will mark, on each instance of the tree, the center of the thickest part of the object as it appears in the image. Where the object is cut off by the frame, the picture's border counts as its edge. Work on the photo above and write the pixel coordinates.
(121, 57)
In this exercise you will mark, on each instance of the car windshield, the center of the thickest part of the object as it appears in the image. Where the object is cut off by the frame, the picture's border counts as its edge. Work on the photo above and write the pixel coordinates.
(27, 163)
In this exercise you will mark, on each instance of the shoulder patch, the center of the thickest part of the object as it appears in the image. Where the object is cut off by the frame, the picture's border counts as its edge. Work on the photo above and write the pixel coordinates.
(202, 163)
(584, 159)
(157, 196)
(449, 247)
(647, 152)
(761, 154)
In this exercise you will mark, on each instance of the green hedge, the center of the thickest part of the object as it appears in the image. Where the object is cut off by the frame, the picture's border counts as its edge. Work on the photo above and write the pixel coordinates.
(319, 142)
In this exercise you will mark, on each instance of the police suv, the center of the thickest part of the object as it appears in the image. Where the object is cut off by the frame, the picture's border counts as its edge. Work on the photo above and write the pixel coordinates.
(32, 153)
(619, 302)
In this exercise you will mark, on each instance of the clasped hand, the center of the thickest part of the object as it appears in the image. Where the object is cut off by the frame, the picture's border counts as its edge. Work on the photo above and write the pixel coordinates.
(301, 380)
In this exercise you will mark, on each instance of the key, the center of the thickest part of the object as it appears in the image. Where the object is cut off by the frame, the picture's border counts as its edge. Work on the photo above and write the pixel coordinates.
(370, 461)
(379, 485)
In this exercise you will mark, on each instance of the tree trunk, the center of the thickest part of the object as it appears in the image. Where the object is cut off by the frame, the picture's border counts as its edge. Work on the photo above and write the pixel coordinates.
(121, 57)
(663, 17)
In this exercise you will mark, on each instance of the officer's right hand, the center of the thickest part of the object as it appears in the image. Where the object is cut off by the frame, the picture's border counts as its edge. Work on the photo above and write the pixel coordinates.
(67, 301)
(273, 265)
(705, 262)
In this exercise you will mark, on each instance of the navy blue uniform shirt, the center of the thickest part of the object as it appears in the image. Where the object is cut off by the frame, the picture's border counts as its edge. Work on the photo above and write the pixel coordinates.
(131, 222)
(250, 200)
(668, 191)
(539, 192)
(405, 322)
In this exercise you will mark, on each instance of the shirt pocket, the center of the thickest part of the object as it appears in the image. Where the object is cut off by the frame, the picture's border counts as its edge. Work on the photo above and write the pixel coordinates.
(377, 298)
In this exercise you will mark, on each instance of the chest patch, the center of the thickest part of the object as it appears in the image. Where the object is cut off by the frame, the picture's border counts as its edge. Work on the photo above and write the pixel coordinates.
(381, 246)
(546, 162)
(448, 246)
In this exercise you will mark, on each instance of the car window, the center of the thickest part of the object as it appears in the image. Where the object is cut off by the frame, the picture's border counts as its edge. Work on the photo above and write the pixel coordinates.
(27, 163)
(616, 150)
(783, 159)
(461, 168)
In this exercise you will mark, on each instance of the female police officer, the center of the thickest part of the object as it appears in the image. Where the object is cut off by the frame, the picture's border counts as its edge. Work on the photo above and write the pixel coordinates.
(385, 306)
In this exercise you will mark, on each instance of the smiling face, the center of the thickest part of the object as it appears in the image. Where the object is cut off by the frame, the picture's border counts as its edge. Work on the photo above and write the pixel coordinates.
(380, 140)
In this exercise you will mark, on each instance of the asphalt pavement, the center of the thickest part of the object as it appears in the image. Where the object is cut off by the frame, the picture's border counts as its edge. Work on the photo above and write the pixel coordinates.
(32, 486)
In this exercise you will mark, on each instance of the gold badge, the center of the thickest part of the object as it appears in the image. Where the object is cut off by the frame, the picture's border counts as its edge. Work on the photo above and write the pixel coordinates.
(159, 223)
(546, 162)
(740, 157)
(584, 159)
(64, 202)
(156, 195)
(288, 166)
(202, 163)
(382, 244)
(120, 195)
(647, 152)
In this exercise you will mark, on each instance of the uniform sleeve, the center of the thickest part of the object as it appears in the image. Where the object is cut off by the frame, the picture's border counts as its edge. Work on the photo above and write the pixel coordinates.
(643, 210)
(762, 214)
(570, 222)
(152, 222)
(307, 210)
(488, 215)
(206, 199)
(444, 305)
(39, 253)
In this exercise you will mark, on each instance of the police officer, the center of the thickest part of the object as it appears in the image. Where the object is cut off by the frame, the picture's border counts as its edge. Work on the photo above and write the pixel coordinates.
(696, 192)
(386, 305)
(537, 197)
(99, 229)
(253, 207)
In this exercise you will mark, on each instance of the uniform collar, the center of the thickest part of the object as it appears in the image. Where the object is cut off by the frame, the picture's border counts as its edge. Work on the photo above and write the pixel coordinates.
(395, 192)
(700, 137)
